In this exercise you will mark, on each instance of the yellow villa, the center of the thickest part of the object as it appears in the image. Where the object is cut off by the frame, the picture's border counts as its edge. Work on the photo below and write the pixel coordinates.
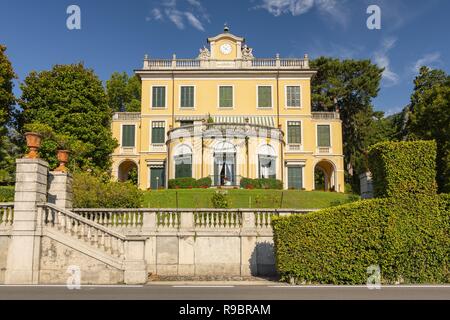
(228, 115)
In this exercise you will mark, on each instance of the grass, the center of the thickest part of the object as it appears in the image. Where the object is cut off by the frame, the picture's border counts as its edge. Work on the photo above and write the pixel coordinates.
(240, 198)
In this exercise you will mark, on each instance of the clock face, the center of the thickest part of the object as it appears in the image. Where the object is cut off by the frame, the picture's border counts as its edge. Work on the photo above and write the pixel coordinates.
(226, 48)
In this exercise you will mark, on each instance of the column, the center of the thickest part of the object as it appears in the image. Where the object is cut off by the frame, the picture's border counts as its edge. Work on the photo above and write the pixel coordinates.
(60, 191)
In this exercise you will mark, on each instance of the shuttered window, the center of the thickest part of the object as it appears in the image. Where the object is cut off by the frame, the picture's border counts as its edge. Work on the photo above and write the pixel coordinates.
(293, 96)
(294, 132)
(187, 97)
(158, 97)
(158, 132)
(295, 177)
(264, 97)
(183, 166)
(226, 97)
(323, 136)
(128, 135)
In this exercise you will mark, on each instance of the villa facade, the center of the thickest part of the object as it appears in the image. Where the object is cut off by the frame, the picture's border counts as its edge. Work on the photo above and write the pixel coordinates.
(229, 115)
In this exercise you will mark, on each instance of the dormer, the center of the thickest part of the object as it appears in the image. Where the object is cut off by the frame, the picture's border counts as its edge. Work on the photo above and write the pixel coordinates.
(226, 46)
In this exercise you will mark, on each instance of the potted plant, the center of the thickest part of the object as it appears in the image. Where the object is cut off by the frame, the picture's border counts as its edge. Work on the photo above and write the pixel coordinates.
(63, 152)
(34, 133)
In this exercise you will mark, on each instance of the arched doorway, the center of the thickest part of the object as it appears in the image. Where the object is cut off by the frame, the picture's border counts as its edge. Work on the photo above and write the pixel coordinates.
(128, 171)
(267, 160)
(183, 161)
(224, 164)
(324, 176)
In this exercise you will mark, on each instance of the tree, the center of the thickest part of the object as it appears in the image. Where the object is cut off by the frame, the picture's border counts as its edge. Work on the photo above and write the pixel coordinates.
(124, 93)
(348, 86)
(429, 118)
(7, 102)
(71, 101)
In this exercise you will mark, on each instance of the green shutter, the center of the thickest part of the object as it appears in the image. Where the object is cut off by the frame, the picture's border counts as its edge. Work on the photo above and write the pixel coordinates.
(226, 97)
(264, 97)
(187, 97)
(183, 167)
(293, 96)
(158, 131)
(128, 135)
(159, 97)
(295, 178)
(323, 136)
(294, 132)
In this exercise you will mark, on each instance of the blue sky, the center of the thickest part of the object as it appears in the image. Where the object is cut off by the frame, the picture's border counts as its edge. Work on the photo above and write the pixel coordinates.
(115, 35)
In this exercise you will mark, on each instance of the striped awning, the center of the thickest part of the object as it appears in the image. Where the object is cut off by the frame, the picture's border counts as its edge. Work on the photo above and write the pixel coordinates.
(190, 118)
(256, 120)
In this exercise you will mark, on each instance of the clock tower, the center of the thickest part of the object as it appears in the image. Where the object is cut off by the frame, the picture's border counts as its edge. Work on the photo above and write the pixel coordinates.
(226, 46)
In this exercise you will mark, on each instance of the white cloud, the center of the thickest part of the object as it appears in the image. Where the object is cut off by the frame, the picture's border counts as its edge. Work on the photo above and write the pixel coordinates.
(180, 13)
(330, 8)
(382, 60)
(429, 60)
(194, 21)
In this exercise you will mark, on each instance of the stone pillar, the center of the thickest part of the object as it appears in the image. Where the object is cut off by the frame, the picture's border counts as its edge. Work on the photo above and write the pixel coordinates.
(24, 250)
(60, 191)
(248, 245)
(135, 266)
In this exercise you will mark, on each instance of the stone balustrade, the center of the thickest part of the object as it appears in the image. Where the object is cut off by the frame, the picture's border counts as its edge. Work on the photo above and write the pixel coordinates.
(6, 214)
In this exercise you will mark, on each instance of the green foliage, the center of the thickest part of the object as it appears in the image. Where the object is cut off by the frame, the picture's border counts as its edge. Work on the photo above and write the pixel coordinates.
(406, 237)
(248, 183)
(402, 168)
(92, 192)
(429, 118)
(220, 200)
(184, 183)
(348, 86)
(6, 193)
(133, 176)
(7, 98)
(71, 101)
(124, 92)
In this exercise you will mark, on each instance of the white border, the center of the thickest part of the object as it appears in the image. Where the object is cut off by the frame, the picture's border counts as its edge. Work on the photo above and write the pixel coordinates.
(317, 135)
(179, 96)
(135, 135)
(286, 176)
(271, 96)
(218, 97)
(151, 127)
(301, 132)
(285, 96)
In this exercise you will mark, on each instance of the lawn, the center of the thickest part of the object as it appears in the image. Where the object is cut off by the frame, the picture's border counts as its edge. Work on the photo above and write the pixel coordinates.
(240, 198)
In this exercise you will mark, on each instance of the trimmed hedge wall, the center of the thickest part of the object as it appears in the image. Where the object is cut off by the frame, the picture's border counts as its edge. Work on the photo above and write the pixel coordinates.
(6, 193)
(402, 168)
(248, 183)
(185, 183)
(408, 238)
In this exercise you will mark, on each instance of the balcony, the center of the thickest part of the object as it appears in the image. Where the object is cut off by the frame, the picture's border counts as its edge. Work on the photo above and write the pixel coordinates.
(127, 116)
(325, 115)
(187, 64)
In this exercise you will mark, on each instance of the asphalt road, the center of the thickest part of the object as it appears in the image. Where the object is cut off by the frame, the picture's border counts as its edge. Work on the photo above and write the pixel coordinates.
(202, 291)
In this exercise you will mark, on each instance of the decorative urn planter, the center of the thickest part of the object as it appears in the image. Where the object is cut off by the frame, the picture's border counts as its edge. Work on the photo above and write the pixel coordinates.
(33, 143)
(63, 158)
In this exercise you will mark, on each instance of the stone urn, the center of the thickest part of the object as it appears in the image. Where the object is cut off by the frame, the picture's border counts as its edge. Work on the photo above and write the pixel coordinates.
(63, 158)
(33, 143)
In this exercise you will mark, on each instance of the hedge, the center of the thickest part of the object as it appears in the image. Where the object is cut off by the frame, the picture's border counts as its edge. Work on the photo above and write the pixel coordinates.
(248, 183)
(6, 193)
(407, 237)
(184, 183)
(402, 168)
(91, 192)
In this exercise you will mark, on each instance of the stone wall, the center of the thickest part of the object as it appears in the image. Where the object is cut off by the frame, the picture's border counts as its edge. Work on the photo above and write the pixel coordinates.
(4, 244)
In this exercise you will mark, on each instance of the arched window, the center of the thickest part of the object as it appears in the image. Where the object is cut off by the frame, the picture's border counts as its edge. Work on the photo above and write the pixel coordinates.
(267, 162)
(183, 161)
(224, 164)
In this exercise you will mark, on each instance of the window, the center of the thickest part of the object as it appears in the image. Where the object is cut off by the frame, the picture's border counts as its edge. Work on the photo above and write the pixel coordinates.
(293, 96)
(226, 97)
(264, 97)
(157, 178)
(158, 132)
(267, 167)
(295, 177)
(323, 135)
(294, 132)
(183, 166)
(187, 97)
(158, 97)
(128, 134)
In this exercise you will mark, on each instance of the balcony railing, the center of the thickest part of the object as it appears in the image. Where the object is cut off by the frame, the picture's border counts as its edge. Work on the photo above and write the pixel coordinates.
(325, 115)
(127, 116)
(271, 63)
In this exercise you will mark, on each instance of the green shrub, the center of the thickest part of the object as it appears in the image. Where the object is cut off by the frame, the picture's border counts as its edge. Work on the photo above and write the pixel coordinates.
(402, 168)
(406, 237)
(220, 200)
(91, 192)
(203, 182)
(248, 183)
(6, 193)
